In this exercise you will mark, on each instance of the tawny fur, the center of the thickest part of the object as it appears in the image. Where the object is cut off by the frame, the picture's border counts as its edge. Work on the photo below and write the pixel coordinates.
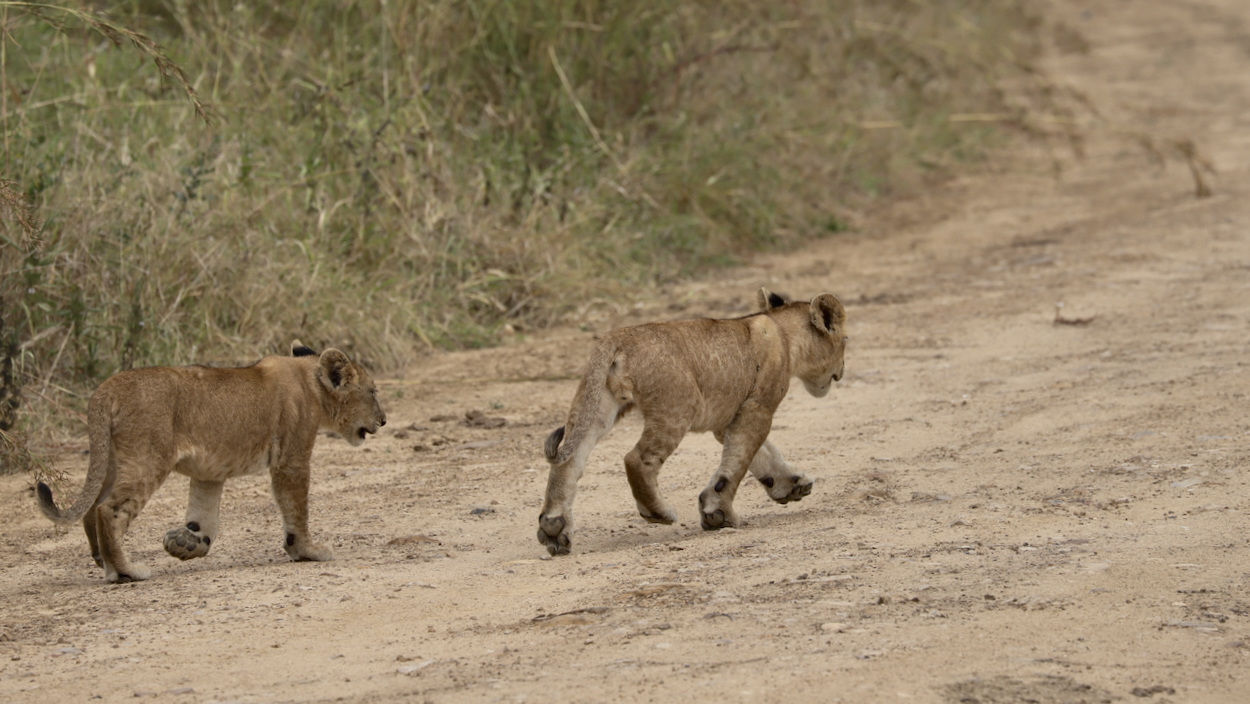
(723, 376)
(212, 424)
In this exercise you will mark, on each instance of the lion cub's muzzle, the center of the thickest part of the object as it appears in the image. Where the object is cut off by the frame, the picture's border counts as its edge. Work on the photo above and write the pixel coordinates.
(363, 431)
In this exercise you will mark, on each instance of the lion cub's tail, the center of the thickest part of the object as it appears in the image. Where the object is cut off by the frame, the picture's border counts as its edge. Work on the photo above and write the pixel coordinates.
(99, 468)
(564, 441)
(552, 448)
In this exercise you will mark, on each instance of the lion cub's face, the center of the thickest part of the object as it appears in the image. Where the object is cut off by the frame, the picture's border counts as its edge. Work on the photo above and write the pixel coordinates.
(829, 364)
(353, 397)
(821, 357)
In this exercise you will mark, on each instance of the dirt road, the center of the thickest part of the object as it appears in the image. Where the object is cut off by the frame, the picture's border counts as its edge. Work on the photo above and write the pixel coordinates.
(1007, 508)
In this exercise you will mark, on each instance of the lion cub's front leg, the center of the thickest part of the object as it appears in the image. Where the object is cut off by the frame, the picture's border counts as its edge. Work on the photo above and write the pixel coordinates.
(783, 481)
(290, 490)
(195, 538)
(742, 442)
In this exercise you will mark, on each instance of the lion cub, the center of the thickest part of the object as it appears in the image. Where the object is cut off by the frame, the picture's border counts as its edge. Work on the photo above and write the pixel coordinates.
(726, 376)
(212, 424)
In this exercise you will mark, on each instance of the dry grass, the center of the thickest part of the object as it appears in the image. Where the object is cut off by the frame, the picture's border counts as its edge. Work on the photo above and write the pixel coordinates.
(386, 177)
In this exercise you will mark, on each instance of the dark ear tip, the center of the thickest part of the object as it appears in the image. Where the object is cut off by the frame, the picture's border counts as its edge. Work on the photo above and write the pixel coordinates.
(769, 300)
(299, 349)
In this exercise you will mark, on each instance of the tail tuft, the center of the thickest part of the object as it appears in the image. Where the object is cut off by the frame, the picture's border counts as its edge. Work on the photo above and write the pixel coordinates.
(46, 504)
(552, 447)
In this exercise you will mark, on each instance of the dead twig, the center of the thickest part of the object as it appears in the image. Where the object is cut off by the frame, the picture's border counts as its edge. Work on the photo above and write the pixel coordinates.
(1197, 164)
(588, 610)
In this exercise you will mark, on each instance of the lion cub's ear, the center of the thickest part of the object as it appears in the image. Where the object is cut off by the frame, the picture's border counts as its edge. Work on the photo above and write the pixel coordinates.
(827, 312)
(767, 300)
(336, 369)
(299, 349)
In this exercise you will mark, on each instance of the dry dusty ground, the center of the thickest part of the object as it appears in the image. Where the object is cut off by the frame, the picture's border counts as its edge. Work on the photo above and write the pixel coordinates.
(1007, 509)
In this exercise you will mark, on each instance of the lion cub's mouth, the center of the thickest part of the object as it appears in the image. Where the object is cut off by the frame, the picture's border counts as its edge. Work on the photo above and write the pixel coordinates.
(362, 432)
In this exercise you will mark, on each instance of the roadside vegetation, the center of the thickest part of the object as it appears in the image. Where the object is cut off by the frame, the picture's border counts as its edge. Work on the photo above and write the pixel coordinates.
(204, 182)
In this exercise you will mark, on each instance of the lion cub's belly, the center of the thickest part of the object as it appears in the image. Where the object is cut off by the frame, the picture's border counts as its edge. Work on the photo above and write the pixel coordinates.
(709, 418)
(211, 464)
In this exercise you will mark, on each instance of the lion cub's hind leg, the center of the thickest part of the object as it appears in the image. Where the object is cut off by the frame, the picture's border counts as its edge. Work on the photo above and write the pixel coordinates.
(783, 481)
(113, 516)
(555, 522)
(642, 467)
(195, 538)
(89, 527)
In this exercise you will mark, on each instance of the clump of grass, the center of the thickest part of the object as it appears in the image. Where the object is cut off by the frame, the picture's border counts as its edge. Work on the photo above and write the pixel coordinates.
(384, 177)
(16, 207)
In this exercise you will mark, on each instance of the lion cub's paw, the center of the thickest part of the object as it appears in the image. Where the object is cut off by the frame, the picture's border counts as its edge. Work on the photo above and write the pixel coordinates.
(665, 516)
(310, 552)
(789, 488)
(137, 573)
(714, 516)
(552, 534)
(717, 519)
(187, 542)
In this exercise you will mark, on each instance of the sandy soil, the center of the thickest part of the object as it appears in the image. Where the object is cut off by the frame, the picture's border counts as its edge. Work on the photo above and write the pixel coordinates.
(1007, 508)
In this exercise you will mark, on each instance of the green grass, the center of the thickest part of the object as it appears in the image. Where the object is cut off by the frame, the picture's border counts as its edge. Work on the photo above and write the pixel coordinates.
(386, 176)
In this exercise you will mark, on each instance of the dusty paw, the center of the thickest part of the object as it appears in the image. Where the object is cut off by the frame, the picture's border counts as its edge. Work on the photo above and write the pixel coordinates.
(136, 573)
(552, 534)
(314, 553)
(186, 542)
(787, 489)
(719, 518)
(715, 518)
(665, 515)
(308, 552)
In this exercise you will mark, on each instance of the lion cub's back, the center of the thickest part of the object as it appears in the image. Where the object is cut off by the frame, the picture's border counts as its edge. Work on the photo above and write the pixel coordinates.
(705, 362)
(204, 407)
